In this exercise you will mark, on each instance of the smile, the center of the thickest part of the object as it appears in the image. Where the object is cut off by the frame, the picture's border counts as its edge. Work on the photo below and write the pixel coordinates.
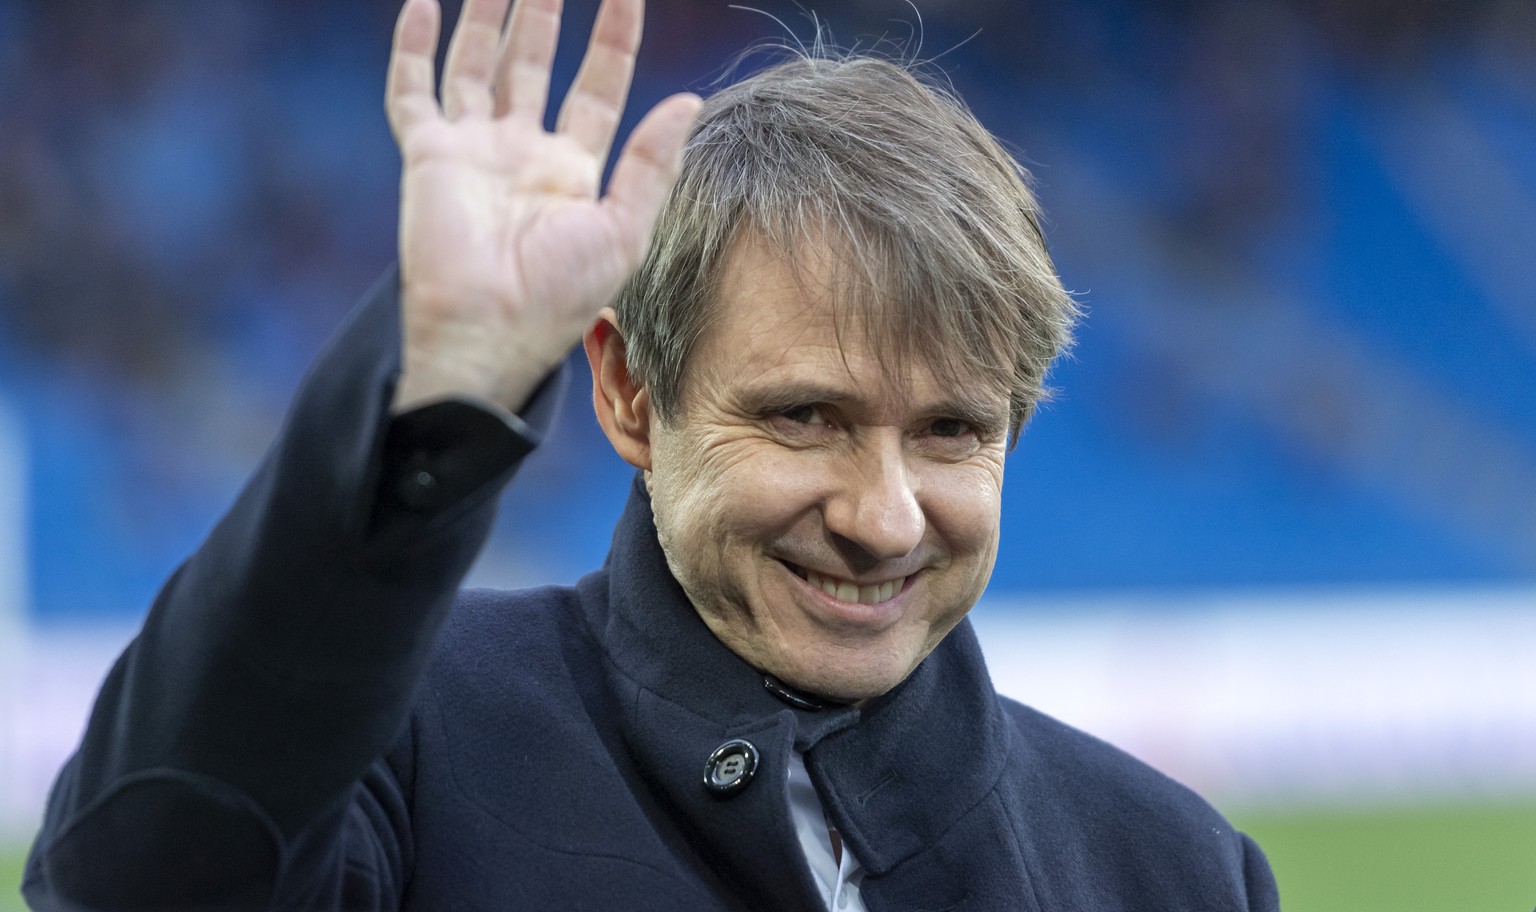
(845, 591)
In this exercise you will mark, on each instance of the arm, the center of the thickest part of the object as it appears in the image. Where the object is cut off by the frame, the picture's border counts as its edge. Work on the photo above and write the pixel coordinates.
(221, 765)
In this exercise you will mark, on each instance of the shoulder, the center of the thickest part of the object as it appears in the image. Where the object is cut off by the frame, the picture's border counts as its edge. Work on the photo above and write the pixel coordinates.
(511, 668)
(532, 643)
(503, 618)
(1066, 773)
(1079, 804)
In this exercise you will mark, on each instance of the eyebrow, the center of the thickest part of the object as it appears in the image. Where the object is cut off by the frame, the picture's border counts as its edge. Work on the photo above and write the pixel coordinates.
(983, 413)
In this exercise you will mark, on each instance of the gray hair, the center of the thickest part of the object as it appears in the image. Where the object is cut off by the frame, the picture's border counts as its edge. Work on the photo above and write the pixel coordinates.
(941, 252)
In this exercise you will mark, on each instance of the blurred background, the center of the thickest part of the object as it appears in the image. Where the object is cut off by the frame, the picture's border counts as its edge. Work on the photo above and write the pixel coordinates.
(1276, 535)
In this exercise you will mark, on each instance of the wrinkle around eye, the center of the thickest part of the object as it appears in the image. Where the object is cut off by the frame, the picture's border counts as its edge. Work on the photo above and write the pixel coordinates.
(802, 423)
(967, 444)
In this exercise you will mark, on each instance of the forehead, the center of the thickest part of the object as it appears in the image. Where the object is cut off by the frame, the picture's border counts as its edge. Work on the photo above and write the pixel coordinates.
(805, 322)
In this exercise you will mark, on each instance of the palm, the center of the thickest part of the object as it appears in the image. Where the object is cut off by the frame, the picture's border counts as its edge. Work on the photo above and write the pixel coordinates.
(494, 208)
(507, 249)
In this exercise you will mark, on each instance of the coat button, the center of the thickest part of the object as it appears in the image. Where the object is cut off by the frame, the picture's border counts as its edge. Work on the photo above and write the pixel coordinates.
(417, 490)
(730, 767)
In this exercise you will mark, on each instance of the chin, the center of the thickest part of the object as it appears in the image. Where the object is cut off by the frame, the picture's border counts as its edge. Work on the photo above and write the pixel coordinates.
(844, 685)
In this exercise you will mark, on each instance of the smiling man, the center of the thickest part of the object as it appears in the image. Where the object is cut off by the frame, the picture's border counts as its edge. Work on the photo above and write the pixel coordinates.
(831, 314)
(829, 517)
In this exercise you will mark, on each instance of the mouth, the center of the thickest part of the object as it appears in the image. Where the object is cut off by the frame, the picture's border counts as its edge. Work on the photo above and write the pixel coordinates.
(848, 591)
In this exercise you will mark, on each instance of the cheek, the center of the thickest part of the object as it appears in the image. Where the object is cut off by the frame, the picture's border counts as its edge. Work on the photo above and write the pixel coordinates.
(714, 499)
(748, 487)
(965, 509)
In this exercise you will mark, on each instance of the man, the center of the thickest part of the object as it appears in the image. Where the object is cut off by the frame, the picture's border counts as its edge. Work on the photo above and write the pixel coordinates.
(767, 698)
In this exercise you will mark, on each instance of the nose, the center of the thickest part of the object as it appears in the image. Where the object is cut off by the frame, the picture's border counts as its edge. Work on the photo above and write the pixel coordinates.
(874, 504)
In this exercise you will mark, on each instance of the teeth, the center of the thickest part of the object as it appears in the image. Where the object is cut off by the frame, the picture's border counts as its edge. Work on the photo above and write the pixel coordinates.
(848, 592)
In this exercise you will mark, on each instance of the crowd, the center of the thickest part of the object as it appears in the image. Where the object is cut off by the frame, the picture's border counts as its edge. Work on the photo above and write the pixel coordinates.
(192, 192)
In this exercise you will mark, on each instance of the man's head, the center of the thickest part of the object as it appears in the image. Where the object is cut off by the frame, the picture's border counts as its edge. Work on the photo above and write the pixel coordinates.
(844, 320)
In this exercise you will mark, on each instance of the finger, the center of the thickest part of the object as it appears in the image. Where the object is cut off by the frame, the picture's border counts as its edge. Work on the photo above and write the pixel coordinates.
(522, 75)
(592, 109)
(408, 91)
(648, 167)
(471, 63)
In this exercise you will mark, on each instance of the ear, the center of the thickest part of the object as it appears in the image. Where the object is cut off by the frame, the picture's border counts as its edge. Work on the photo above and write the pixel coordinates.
(623, 406)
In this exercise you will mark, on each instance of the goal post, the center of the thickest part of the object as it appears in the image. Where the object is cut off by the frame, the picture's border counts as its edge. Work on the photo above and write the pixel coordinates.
(15, 804)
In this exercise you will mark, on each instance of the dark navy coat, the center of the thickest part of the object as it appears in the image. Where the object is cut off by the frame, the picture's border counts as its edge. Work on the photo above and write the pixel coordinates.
(312, 718)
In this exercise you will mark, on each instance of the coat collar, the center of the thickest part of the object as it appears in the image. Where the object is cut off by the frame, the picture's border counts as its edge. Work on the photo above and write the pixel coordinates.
(893, 776)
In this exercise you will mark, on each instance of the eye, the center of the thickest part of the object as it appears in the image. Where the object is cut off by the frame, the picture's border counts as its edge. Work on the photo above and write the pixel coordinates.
(809, 414)
(949, 427)
(950, 438)
(803, 423)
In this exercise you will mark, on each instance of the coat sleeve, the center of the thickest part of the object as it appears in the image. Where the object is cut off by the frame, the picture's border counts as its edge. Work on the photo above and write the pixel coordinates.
(235, 755)
(1263, 893)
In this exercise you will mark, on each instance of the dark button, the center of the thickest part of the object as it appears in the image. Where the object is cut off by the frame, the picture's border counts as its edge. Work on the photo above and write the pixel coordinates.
(417, 489)
(730, 767)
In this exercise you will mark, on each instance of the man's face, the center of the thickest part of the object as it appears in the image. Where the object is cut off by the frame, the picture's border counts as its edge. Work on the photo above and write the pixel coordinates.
(829, 519)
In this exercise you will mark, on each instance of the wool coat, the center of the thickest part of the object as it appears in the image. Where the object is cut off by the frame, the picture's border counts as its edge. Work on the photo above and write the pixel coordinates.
(315, 718)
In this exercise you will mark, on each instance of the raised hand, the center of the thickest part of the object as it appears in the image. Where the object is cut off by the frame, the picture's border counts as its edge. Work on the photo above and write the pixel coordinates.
(507, 247)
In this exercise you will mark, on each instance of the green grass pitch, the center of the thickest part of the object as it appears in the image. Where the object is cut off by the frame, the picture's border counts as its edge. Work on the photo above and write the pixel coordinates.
(1451, 857)
(11, 858)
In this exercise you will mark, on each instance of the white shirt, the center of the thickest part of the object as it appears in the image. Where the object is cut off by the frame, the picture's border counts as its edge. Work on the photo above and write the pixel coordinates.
(838, 882)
